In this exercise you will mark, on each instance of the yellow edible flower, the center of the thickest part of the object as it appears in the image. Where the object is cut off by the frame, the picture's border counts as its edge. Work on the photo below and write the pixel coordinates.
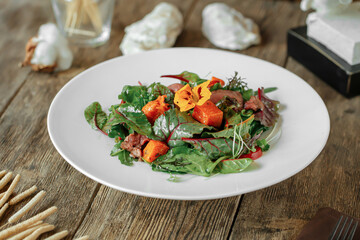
(187, 98)
(201, 93)
(183, 98)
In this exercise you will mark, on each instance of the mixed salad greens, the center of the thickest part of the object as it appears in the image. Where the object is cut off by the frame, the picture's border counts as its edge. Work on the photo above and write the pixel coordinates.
(198, 126)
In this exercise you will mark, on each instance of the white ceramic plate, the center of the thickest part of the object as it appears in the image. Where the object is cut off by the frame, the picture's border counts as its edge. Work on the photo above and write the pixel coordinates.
(305, 123)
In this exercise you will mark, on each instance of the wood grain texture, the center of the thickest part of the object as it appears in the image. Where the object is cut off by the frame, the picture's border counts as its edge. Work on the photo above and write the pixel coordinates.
(186, 220)
(26, 149)
(18, 23)
(25, 146)
(273, 18)
(119, 215)
(125, 13)
(88, 208)
(280, 211)
(332, 180)
(20, 20)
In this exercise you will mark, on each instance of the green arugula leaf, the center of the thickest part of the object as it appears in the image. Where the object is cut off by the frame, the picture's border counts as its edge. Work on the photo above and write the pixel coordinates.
(233, 111)
(229, 132)
(262, 143)
(125, 158)
(166, 169)
(246, 94)
(133, 117)
(174, 125)
(256, 128)
(123, 155)
(184, 160)
(233, 165)
(135, 95)
(213, 147)
(157, 89)
(187, 78)
(235, 119)
(95, 116)
(216, 86)
(118, 131)
(193, 78)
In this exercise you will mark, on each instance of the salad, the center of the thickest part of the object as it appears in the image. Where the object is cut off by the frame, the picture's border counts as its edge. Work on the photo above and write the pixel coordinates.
(197, 126)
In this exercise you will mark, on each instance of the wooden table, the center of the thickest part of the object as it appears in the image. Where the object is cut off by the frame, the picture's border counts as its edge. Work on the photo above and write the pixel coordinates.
(89, 208)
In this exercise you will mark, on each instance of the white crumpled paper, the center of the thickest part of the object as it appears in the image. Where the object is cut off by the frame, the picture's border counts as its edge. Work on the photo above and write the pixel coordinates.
(227, 28)
(48, 51)
(158, 29)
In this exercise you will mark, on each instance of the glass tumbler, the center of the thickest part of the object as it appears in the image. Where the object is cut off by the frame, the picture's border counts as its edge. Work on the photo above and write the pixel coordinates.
(84, 22)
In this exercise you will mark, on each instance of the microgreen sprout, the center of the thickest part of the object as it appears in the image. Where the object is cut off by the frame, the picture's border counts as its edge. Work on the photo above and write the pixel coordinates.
(237, 83)
(238, 141)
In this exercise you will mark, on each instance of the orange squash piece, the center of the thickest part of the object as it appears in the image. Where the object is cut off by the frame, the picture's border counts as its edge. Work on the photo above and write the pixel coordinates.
(208, 114)
(215, 80)
(154, 149)
(155, 109)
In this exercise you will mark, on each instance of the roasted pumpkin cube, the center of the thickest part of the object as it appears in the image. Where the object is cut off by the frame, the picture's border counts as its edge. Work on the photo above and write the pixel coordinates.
(215, 80)
(154, 149)
(208, 114)
(155, 109)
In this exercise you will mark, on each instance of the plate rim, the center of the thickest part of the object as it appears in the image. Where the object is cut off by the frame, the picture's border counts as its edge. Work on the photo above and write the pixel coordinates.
(176, 197)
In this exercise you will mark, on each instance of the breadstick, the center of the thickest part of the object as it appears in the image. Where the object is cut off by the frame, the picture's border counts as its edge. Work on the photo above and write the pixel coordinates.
(22, 196)
(5, 180)
(83, 238)
(40, 231)
(36, 224)
(27, 207)
(2, 173)
(3, 209)
(10, 190)
(58, 236)
(2, 194)
(25, 224)
(27, 232)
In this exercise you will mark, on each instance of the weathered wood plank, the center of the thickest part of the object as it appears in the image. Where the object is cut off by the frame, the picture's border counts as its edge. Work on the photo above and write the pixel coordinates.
(25, 148)
(138, 217)
(119, 215)
(20, 20)
(273, 18)
(125, 13)
(280, 212)
(18, 24)
(332, 180)
(276, 212)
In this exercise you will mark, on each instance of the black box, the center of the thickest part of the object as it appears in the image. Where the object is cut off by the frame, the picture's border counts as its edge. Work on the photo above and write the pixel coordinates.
(332, 69)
